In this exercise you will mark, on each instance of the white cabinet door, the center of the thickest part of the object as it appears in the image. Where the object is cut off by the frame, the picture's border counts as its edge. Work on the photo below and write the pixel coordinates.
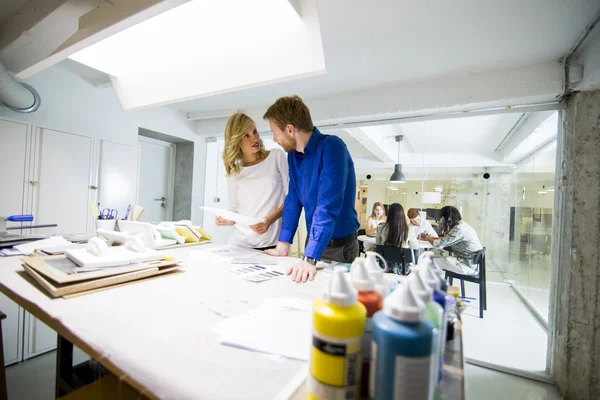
(13, 146)
(39, 338)
(63, 175)
(117, 176)
(11, 330)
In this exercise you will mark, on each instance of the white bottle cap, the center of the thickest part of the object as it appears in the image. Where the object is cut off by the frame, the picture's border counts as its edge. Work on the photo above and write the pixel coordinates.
(427, 258)
(381, 284)
(403, 305)
(339, 292)
(361, 279)
(430, 277)
(421, 289)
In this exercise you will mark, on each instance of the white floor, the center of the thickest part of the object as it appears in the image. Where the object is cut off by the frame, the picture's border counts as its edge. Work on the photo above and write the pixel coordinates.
(508, 335)
(34, 380)
(485, 384)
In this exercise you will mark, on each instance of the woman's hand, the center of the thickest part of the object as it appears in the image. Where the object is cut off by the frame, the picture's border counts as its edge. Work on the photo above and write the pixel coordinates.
(220, 221)
(281, 250)
(261, 227)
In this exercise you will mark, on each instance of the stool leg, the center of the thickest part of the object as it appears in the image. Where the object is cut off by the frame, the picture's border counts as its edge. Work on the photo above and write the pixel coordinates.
(463, 293)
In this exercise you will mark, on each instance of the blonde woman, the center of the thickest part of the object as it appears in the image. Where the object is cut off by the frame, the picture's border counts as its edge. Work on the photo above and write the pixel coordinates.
(257, 183)
(377, 217)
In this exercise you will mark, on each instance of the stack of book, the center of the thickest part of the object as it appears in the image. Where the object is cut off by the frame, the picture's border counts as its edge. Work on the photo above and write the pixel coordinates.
(59, 276)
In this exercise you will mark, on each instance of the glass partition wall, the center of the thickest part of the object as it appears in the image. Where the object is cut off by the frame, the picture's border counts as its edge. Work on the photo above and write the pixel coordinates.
(510, 207)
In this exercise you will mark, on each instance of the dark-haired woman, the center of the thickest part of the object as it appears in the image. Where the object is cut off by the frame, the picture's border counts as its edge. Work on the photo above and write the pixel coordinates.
(395, 232)
(459, 235)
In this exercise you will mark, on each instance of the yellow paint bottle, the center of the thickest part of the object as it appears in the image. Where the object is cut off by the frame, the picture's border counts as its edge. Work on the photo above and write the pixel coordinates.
(336, 356)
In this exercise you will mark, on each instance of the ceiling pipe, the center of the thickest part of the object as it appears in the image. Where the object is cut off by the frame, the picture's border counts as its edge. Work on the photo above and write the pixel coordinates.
(18, 96)
(566, 62)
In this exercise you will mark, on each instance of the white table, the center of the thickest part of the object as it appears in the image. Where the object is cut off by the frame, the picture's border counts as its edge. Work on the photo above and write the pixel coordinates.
(423, 245)
(156, 334)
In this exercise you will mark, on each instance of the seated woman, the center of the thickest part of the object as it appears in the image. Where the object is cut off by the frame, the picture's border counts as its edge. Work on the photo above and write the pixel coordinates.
(376, 218)
(395, 232)
(463, 239)
(419, 225)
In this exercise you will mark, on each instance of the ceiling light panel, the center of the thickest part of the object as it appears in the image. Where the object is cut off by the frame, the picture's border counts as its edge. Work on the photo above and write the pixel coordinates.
(207, 47)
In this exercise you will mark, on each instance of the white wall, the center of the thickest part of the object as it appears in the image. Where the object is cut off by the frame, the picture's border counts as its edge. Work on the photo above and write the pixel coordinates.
(69, 104)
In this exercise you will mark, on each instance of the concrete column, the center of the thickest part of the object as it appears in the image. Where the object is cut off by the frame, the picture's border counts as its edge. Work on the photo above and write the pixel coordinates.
(575, 329)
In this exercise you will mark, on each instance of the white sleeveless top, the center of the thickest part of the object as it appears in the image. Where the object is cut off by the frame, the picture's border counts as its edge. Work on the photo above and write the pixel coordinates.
(256, 192)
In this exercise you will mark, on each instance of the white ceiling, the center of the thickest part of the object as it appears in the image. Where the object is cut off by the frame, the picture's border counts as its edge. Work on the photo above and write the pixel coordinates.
(376, 43)
(469, 134)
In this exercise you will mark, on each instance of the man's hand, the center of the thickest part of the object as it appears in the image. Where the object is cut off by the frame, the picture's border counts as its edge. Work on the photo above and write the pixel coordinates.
(261, 227)
(220, 221)
(302, 272)
(281, 250)
(423, 236)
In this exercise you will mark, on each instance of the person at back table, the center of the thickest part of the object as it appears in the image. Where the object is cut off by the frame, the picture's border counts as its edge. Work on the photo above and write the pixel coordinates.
(257, 182)
(322, 181)
(419, 225)
(376, 218)
(395, 232)
(459, 235)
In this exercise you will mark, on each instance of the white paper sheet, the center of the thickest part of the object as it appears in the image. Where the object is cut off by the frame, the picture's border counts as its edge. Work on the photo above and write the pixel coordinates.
(237, 218)
(223, 253)
(30, 247)
(279, 326)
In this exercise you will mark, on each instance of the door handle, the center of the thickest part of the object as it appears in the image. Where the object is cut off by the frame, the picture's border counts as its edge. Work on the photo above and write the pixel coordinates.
(161, 199)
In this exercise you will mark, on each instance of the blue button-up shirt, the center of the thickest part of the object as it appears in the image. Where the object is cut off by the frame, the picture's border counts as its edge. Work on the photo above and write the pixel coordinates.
(322, 180)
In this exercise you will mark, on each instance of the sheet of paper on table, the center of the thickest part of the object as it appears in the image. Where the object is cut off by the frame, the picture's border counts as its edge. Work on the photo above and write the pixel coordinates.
(279, 326)
(224, 253)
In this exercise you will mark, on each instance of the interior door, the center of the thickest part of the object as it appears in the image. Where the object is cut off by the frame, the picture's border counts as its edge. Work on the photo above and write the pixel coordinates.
(13, 148)
(156, 177)
(117, 176)
(63, 176)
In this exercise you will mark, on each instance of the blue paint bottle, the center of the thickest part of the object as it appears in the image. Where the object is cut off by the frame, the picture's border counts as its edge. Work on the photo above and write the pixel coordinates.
(430, 276)
(402, 350)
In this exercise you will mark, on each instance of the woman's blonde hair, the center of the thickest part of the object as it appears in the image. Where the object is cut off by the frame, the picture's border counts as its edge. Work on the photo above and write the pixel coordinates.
(233, 157)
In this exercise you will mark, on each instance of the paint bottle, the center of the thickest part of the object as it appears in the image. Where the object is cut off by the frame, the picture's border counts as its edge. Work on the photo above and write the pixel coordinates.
(381, 284)
(338, 325)
(402, 349)
(433, 313)
(430, 276)
(373, 302)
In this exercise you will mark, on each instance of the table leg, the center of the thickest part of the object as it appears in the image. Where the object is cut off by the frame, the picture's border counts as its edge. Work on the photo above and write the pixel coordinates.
(3, 389)
(64, 367)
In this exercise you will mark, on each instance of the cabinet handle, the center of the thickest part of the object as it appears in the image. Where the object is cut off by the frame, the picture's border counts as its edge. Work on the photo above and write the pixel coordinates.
(93, 187)
(33, 182)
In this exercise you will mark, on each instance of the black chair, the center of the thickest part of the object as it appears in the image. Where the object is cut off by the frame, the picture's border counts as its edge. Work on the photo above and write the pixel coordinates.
(397, 258)
(479, 260)
(361, 245)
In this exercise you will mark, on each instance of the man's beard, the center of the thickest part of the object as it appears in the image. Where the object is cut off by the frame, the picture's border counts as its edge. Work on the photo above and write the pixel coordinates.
(288, 145)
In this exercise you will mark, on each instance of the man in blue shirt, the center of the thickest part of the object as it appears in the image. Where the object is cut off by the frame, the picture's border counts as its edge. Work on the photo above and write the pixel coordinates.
(322, 181)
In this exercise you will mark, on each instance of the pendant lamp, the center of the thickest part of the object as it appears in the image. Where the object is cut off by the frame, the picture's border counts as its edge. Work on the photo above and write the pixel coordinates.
(398, 176)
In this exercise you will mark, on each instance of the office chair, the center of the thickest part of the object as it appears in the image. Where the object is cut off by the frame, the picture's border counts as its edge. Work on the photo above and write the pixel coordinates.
(361, 245)
(397, 258)
(479, 260)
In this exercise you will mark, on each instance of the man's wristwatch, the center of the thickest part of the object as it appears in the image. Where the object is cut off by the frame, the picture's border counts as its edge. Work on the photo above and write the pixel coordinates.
(310, 260)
